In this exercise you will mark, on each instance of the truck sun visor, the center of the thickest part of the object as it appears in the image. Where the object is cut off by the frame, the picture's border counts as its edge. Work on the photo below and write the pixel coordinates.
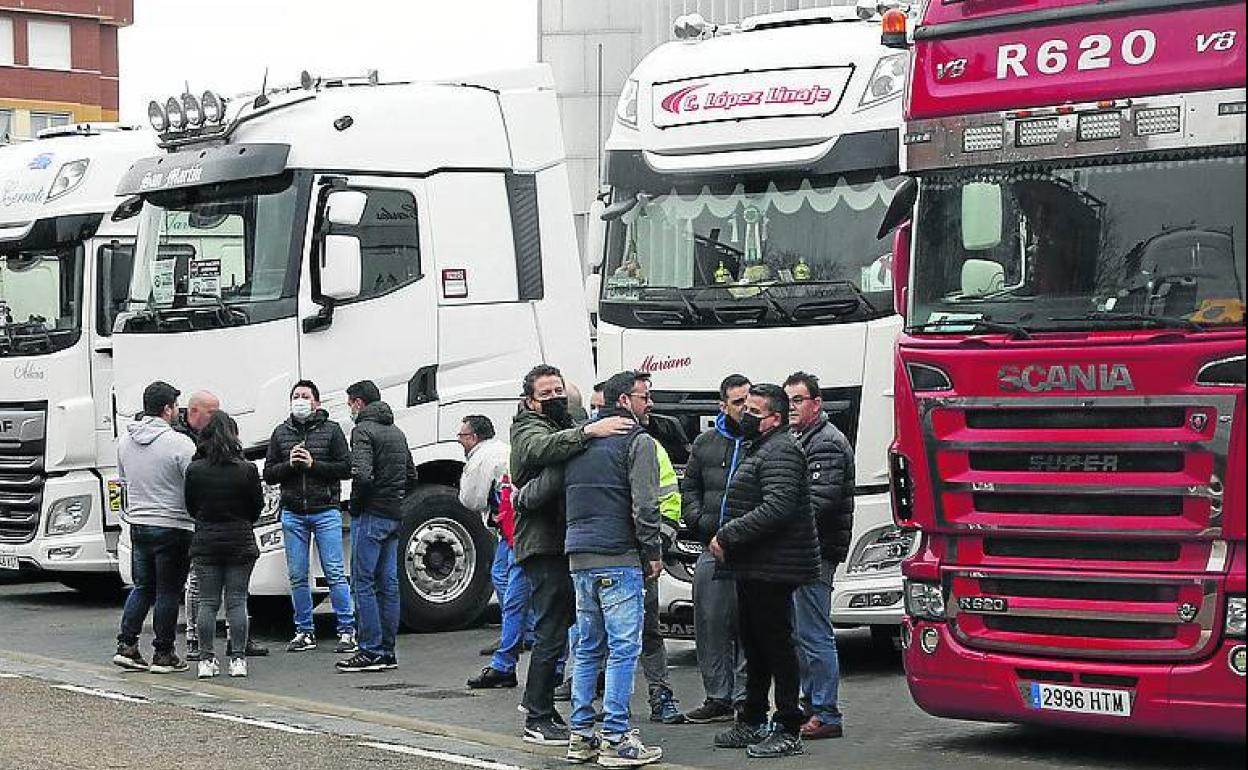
(213, 165)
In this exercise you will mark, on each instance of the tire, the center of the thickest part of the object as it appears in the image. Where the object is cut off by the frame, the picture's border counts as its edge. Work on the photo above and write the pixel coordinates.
(445, 555)
(94, 586)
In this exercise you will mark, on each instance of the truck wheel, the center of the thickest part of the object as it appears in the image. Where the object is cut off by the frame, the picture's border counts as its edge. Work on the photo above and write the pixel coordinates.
(445, 553)
(95, 586)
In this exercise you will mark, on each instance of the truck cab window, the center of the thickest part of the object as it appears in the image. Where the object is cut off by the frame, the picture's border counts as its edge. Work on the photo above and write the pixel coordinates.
(389, 242)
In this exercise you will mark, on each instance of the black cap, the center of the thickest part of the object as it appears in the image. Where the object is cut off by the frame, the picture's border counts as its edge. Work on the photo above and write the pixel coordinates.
(158, 396)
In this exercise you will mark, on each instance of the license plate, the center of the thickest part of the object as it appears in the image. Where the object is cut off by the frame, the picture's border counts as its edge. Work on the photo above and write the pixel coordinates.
(8, 561)
(1080, 700)
(116, 497)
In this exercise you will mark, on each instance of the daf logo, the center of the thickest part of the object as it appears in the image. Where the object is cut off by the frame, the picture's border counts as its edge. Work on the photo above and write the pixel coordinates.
(1187, 612)
(1041, 378)
(1198, 421)
(985, 604)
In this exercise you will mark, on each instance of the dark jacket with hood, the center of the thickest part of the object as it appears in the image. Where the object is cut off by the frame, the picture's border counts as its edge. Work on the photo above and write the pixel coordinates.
(715, 455)
(830, 463)
(382, 471)
(537, 443)
(309, 490)
(768, 532)
(225, 501)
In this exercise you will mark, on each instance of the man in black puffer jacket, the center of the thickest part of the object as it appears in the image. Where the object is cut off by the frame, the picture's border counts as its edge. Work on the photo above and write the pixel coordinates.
(830, 462)
(382, 476)
(309, 457)
(767, 543)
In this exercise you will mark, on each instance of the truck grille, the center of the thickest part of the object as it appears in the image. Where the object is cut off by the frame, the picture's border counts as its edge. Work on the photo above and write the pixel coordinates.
(22, 448)
(1143, 466)
(1079, 615)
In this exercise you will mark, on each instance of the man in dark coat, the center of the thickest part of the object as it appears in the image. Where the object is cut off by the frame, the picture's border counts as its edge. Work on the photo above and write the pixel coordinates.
(767, 544)
(830, 463)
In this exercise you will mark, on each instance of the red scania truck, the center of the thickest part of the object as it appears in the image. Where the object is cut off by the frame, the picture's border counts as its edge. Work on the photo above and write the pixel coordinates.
(1070, 383)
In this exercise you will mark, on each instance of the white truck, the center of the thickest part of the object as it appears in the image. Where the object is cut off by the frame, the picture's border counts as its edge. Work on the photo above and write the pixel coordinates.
(747, 172)
(416, 234)
(64, 272)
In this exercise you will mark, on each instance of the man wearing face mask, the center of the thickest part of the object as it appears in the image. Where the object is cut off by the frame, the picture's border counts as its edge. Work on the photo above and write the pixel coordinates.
(714, 458)
(543, 435)
(768, 545)
(309, 457)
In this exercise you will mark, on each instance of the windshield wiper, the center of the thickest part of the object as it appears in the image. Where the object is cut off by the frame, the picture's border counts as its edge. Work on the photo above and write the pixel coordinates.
(1016, 331)
(225, 313)
(1112, 317)
(858, 293)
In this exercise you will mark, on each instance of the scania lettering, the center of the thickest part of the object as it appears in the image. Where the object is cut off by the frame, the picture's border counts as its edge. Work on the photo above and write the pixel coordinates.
(1071, 378)
(746, 173)
(416, 234)
(64, 268)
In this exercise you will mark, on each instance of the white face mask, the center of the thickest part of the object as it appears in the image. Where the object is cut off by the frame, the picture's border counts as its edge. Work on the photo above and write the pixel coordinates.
(300, 408)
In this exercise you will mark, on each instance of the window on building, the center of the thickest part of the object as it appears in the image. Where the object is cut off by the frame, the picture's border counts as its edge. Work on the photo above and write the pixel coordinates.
(42, 120)
(6, 126)
(49, 46)
(6, 42)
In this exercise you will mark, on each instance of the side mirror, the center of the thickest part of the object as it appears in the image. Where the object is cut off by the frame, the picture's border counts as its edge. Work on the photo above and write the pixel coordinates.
(593, 288)
(345, 207)
(900, 208)
(341, 267)
(595, 235)
(981, 277)
(901, 269)
(981, 216)
(128, 208)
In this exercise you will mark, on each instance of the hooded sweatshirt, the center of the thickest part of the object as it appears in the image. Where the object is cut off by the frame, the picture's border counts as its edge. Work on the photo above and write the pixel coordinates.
(152, 459)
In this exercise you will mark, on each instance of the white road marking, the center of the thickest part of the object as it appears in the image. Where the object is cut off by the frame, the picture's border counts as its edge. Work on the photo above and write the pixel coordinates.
(258, 723)
(457, 759)
(101, 693)
(10, 676)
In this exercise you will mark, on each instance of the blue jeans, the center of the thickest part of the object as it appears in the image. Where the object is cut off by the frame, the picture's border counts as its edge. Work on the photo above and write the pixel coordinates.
(298, 532)
(159, 562)
(513, 596)
(375, 581)
(816, 645)
(610, 609)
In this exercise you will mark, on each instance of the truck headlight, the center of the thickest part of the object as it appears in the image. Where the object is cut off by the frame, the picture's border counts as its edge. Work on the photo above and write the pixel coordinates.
(68, 515)
(887, 80)
(925, 601)
(1236, 616)
(881, 549)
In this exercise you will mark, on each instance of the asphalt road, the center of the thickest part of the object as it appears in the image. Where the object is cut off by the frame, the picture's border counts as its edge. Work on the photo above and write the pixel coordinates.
(50, 634)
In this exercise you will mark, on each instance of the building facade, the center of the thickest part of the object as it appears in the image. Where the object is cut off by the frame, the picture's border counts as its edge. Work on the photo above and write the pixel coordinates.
(593, 45)
(58, 63)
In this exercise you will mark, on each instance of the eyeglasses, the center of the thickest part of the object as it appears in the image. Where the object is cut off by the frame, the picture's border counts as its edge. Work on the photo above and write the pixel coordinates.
(643, 396)
(464, 435)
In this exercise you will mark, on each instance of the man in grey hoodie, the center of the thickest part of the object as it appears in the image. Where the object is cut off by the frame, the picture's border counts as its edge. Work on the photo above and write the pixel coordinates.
(151, 460)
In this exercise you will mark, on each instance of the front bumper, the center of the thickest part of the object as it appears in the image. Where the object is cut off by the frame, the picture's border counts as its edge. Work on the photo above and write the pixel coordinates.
(90, 549)
(1203, 699)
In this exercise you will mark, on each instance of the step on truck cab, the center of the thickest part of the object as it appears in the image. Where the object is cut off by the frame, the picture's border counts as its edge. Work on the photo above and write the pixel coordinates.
(64, 268)
(418, 234)
(1070, 383)
(747, 171)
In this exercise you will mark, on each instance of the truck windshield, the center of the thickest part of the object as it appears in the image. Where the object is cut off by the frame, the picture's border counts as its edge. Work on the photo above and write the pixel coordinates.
(41, 287)
(1110, 243)
(784, 250)
(221, 255)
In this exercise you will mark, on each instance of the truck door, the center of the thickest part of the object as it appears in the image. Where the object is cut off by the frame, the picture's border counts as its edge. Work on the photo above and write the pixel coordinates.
(388, 333)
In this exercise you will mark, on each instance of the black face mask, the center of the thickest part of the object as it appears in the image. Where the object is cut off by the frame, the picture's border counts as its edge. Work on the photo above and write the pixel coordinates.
(557, 409)
(751, 426)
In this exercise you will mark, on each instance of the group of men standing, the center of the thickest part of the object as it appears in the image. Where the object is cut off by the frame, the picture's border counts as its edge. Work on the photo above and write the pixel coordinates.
(581, 507)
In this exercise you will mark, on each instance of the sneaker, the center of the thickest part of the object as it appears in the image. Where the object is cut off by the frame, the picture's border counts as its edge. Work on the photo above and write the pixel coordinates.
(303, 641)
(238, 667)
(490, 677)
(207, 668)
(347, 644)
(129, 657)
(778, 743)
(711, 711)
(582, 749)
(389, 662)
(254, 650)
(816, 729)
(167, 663)
(628, 751)
(563, 693)
(741, 736)
(546, 733)
(663, 708)
(361, 661)
(192, 650)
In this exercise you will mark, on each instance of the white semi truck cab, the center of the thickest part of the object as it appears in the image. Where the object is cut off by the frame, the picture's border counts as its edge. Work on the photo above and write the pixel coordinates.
(416, 234)
(64, 270)
(747, 173)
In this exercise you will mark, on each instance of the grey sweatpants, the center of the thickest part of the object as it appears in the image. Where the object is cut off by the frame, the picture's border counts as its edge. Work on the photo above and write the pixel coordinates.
(720, 657)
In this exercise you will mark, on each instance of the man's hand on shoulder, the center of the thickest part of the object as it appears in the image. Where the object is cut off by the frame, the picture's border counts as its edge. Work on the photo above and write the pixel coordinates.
(608, 426)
